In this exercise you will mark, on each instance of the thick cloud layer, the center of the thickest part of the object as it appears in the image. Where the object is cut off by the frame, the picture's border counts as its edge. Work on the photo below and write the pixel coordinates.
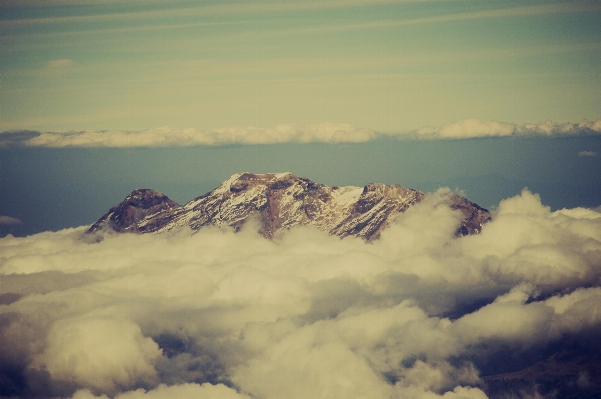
(218, 314)
(314, 133)
(167, 136)
(470, 128)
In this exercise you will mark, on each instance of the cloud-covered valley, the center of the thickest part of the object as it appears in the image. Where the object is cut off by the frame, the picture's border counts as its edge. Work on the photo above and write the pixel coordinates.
(218, 314)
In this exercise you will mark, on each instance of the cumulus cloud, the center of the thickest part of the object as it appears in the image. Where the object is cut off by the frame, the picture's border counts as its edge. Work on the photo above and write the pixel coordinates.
(104, 354)
(289, 133)
(415, 314)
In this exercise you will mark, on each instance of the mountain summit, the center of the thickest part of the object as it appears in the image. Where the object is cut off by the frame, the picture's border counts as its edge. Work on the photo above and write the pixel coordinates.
(281, 201)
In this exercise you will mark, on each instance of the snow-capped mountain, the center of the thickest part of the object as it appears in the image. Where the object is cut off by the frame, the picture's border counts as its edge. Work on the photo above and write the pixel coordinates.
(280, 201)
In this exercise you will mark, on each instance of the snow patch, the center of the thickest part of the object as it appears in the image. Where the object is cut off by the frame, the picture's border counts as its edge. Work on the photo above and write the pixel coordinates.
(225, 186)
(349, 195)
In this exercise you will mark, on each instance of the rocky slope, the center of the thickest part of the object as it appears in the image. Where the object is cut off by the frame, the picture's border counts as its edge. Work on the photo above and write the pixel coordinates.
(280, 201)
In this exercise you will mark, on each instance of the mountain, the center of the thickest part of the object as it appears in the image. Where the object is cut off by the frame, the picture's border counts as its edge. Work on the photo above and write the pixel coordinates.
(281, 201)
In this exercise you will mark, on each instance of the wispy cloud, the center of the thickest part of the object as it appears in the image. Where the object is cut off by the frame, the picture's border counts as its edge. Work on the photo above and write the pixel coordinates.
(561, 8)
(9, 221)
(515, 12)
(587, 154)
(57, 67)
(207, 9)
(60, 64)
(244, 8)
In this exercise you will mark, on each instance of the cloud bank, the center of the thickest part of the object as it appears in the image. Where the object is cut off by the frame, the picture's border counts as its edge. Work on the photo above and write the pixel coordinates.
(471, 128)
(313, 133)
(166, 136)
(218, 314)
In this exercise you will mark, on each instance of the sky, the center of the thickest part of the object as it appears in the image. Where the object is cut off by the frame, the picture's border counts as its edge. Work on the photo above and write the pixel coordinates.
(498, 101)
(382, 65)
(101, 97)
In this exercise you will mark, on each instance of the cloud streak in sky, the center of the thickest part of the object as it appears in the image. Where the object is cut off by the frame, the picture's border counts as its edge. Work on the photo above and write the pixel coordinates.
(415, 314)
(587, 154)
(313, 133)
(229, 8)
(8, 220)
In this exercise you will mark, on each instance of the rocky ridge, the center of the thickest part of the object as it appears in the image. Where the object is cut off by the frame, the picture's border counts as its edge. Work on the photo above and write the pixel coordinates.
(280, 201)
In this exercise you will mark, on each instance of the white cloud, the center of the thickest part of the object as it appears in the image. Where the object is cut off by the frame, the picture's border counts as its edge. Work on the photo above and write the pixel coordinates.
(100, 353)
(289, 133)
(306, 315)
(470, 128)
(166, 136)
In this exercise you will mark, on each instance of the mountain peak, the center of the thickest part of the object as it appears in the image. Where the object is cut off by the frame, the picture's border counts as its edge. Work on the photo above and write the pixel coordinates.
(281, 201)
(137, 206)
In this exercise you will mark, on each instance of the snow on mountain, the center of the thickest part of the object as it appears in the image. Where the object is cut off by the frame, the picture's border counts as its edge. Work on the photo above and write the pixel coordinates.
(280, 201)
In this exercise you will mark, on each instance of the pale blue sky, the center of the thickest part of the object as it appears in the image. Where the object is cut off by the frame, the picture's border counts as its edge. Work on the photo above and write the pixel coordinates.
(382, 65)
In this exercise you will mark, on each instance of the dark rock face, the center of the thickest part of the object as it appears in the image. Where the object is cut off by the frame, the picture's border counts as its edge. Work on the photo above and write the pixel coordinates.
(139, 205)
(475, 216)
(280, 201)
